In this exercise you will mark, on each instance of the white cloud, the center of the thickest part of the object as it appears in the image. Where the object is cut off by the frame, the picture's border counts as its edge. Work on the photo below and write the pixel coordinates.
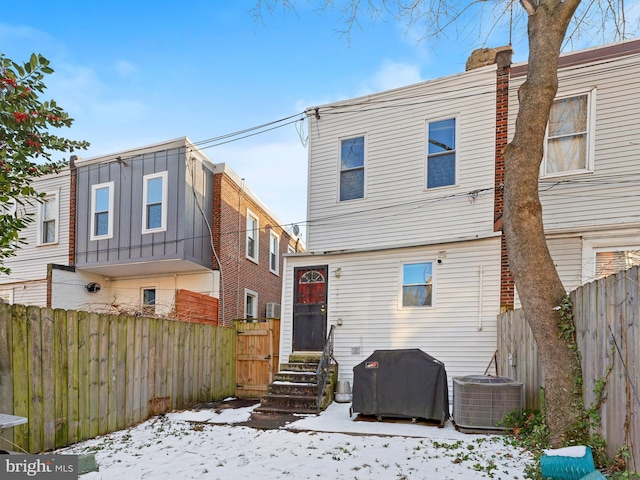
(394, 74)
(125, 68)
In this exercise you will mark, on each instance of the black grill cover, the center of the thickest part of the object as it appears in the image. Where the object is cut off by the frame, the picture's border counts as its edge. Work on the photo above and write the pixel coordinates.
(401, 383)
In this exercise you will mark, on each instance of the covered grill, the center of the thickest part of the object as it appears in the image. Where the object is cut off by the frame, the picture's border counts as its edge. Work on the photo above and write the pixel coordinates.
(401, 383)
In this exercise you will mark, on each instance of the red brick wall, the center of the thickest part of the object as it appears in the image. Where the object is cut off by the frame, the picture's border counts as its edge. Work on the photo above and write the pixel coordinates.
(229, 235)
(196, 307)
(507, 289)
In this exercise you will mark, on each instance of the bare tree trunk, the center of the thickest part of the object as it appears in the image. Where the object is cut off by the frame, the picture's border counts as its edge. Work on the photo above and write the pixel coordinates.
(539, 287)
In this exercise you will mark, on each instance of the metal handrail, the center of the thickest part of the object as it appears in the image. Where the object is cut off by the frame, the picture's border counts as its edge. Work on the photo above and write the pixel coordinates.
(324, 366)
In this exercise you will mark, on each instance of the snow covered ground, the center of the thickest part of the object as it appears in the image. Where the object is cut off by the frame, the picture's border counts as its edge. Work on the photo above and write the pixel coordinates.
(205, 444)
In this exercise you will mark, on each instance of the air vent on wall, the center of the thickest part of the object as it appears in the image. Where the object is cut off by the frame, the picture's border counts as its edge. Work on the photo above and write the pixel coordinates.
(482, 402)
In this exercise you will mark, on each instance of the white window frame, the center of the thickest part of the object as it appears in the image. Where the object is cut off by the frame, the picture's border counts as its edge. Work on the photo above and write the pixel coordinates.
(254, 295)
(363, 168)
(591, 246)
(274, 252)
(456, 151)
(401, 306)
(590, 147)
(163, 203)
(252, 233)
(55, 196)
(111, 187)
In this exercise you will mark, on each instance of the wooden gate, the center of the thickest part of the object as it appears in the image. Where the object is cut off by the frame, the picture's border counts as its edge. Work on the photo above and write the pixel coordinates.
(257, 355)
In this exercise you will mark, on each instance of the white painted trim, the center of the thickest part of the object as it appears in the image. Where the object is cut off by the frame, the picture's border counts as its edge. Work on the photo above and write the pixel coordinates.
(590, 247)
(94, 188)
(591, 137)
(164, 201)
(433, 263)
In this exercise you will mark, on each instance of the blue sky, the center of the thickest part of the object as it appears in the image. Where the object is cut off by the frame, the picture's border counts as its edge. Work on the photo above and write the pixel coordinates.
(137, 72)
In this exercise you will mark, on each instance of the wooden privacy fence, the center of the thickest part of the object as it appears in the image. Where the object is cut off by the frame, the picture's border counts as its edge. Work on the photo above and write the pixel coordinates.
(606, 314)
(77, 375)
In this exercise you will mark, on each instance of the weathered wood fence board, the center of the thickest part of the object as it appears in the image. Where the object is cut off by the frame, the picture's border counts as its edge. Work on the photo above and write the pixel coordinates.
(257, 355)
(607, 317)
(77, 375)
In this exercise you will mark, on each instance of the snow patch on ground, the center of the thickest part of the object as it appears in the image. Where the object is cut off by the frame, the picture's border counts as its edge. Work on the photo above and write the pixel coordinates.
(207, 444)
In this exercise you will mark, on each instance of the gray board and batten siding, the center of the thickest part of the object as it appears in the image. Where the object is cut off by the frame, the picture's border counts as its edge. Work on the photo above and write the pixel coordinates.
(186, 236)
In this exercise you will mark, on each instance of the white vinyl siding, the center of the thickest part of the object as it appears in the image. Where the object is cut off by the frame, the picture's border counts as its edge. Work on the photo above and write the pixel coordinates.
(460, 330)
(579, 202)
(154, 203)
(397, 209)
(252, 236)
(29, 265)
(102, 213)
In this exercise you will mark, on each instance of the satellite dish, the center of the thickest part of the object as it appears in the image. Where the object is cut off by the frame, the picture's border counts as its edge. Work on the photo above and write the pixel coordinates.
(295, 229)
(93, 287)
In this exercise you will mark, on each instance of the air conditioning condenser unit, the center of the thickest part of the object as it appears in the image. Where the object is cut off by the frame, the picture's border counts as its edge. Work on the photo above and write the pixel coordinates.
(273, 310)
(481, 402)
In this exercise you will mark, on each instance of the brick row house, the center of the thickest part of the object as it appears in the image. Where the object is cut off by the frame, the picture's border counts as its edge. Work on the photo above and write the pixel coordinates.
(158, 230)
(404, 240)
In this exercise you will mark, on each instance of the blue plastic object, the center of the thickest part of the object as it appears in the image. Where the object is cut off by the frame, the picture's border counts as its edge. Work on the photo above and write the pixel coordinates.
(595, 475)
(559, 467)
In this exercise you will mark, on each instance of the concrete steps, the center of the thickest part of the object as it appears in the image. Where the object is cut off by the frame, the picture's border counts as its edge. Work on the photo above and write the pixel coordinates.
(295, 388)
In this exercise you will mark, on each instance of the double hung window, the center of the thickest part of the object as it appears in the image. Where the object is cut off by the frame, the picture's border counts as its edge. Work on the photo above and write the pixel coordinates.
(48, 219)
(154, 213)
(441, 153)
(568, 146)
(102, 211)
(250, 304)
(252, 236)
(351, 168)
(274, 252)
(417, 284)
